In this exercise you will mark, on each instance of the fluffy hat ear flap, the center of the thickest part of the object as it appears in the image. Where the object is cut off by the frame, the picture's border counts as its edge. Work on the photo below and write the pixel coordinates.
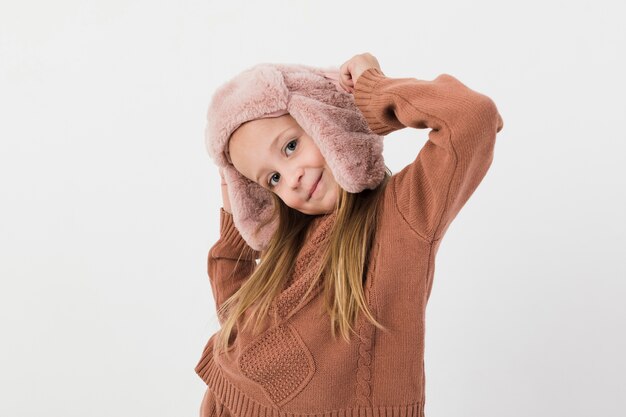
(351, 151)
(251, 205)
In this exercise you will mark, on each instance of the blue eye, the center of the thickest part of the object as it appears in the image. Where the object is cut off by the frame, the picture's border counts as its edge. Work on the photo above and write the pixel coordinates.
(295, 141)
(276, 175)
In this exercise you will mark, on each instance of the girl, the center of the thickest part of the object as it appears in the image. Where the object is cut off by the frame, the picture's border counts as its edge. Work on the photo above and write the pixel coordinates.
(330, 321)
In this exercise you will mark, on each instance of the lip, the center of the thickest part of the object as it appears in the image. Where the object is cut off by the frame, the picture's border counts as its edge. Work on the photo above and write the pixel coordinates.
(314, 187)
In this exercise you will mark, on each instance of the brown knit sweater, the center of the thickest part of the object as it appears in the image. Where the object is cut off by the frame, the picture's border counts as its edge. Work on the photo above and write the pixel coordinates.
(295, 368)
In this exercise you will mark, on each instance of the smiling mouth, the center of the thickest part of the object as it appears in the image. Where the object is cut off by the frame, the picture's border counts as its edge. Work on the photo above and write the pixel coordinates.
(314, 187)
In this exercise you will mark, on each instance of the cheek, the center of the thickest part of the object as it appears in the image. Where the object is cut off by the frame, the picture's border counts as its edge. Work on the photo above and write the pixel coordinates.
(320, 158)
(334, 194)
(288, 201)
(313, 153)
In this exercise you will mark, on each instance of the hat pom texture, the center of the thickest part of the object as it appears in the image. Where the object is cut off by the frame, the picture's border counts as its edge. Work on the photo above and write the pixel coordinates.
(327, 114)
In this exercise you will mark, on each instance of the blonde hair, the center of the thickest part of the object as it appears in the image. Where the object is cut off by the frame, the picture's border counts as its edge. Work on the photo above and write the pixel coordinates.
(342, 267)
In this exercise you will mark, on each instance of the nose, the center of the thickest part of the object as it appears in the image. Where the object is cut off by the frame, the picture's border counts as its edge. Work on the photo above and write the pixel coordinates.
(294, 177)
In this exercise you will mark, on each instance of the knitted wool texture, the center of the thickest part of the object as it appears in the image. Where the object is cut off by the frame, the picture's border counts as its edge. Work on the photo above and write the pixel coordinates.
(278, 361)
(294, 368)
(325, 112)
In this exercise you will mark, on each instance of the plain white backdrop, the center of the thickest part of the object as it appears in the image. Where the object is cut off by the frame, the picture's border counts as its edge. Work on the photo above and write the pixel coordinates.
(109, 201)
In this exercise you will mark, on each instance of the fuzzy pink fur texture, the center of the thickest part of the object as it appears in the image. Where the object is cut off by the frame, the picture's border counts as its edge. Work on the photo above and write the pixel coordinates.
(326, 112)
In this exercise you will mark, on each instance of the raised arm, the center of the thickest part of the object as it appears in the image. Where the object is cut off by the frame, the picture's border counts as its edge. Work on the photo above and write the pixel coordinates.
(230, 261)
(431, 190)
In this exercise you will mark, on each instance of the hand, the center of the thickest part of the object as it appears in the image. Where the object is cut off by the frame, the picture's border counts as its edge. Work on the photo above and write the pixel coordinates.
(225, 199)
(352, 69)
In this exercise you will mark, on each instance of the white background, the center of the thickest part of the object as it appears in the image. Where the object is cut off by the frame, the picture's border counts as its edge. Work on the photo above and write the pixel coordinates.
(109, 201)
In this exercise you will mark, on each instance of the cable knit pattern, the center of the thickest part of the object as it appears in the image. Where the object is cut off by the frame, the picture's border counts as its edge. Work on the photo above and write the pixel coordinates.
(366, 339)
(294, 368)
(364, 373)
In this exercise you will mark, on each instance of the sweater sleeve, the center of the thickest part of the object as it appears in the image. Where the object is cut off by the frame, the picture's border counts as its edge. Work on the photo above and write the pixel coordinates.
(230, 261)
(430, 191)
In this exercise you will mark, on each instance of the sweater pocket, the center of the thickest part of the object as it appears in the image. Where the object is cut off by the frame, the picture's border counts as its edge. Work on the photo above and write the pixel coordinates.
(279, 362)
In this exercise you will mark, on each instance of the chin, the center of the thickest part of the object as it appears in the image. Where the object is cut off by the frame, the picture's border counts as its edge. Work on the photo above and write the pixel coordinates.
(325, 210)
(322, 208)
(315, 211)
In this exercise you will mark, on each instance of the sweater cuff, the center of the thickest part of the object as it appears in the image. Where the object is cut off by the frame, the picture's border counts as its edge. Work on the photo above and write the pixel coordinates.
(232, 239)
(364, 90)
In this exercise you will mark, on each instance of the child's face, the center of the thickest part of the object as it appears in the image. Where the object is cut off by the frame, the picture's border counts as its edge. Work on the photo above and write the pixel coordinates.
(278, 155)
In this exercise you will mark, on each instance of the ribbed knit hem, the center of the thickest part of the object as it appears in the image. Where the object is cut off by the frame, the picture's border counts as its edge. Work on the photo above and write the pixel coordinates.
(231, 240)
(363, 93)
(240, 405)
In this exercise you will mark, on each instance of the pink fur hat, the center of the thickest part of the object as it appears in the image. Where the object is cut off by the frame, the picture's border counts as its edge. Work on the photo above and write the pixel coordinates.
(328, 114)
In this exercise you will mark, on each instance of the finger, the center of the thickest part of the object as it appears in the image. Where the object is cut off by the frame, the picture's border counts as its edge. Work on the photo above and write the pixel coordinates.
(344, 70)
(347, 82)
(347, 79)
(345, 73)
